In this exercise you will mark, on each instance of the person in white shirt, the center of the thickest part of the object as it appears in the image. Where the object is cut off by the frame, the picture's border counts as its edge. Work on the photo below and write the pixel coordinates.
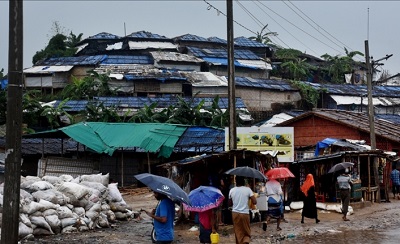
(239, 200)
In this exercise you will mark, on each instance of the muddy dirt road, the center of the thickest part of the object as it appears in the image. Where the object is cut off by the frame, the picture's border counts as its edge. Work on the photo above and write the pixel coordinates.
(376, 217)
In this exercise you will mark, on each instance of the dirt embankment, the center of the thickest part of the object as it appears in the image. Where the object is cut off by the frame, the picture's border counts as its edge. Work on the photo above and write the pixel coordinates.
(376, 217)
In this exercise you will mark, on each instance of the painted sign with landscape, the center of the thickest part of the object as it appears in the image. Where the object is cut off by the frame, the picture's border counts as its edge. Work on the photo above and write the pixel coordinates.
(265, 139)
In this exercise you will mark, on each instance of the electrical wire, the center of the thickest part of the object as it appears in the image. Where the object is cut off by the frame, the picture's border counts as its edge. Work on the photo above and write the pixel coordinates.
(297, 27)
(260, 24)
(210, 6)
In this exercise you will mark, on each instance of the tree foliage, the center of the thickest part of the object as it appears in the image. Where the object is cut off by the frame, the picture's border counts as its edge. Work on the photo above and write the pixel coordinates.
(60, 45)
(262, 36)
(338, 66)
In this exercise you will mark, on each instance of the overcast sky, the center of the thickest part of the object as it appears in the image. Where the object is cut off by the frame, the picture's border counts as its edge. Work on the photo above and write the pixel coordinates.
(314, 27)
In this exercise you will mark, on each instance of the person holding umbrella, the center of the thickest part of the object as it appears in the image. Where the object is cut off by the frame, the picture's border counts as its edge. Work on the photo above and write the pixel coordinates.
(163, 217)
(344, 182)
(309, 200)
(239, 197)
(164, 190)
(205, 200)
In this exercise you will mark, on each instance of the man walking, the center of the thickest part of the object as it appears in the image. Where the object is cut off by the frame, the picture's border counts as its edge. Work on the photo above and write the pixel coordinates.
(344, 181)
(239, 199)
(395, 177)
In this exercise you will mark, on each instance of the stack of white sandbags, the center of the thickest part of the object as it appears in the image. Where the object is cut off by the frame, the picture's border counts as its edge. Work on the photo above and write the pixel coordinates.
(52, 205)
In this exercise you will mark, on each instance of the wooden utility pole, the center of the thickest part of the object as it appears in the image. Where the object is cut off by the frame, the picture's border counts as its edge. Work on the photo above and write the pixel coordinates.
(12, 176)
(231, 77)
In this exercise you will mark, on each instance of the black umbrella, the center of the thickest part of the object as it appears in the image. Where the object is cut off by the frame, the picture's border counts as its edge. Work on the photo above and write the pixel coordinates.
(164, 186)
(340, 166)
(246, 172)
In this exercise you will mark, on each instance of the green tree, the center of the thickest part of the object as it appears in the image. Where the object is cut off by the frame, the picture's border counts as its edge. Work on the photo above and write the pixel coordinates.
(262, 36)
(99, 113)
(147, 114)
(88, 87)
(338, 66)
(31, 107)
(297, 69)
(52, 114)
(60, 45)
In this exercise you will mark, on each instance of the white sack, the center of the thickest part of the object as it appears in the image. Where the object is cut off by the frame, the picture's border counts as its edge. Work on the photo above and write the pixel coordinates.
(64, 212)
(54, 180)
(40, 186)
(41, 222)
(23, 230)
(54, 223)
(99, 178)
(32, 207)
(74, 189)
(113, 193)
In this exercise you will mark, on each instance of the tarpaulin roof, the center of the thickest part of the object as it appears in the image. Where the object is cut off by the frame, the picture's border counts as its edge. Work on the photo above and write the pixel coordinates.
(337, 142)
(107, 137)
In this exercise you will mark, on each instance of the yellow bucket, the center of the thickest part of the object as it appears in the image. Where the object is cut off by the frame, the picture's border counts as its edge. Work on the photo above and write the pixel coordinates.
(214, 238)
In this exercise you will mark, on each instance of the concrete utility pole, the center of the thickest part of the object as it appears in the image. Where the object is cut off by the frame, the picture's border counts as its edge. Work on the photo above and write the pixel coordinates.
(12, 176)
(231, 77)
(371, 114)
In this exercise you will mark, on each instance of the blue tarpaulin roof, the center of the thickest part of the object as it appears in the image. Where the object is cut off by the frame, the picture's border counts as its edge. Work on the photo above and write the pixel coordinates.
(323, 144)
(140, 102)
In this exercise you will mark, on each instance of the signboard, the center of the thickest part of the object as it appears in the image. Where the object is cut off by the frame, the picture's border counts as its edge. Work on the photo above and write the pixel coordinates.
(265, 139)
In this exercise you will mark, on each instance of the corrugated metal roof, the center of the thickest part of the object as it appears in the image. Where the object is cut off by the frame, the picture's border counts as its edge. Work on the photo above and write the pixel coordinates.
(128, 59)
(222, 53)
(103, 35)
(357, 90)
(52, 146)
(174, 56)
(134, 45)
(139, 102)
(394, 118)
(147, 35)
(260, 64)
(206, 79)
(217, 40)
(47, 69)
(246, 42)
(377, 101)
(201, 139)
(224, 62)
(80, 60)
(270, 84)
(157, 74)
(357, 120)
(190, 37)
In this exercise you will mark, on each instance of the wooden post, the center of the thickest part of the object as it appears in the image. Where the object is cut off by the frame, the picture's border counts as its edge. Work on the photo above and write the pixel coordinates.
(148, 163)
(12, 174)
(122, 167)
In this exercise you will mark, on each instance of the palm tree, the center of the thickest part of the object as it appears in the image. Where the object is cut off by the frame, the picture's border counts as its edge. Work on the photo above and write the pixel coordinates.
(262, 37)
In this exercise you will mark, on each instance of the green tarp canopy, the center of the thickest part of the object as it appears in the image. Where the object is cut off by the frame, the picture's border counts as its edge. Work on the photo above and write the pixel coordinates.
(107, 137)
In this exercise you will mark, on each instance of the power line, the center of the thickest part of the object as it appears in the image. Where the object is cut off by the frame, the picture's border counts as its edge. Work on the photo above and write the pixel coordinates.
(284, 29)
(319, 27)
(296, 26)
(210, 6)
(260, 24)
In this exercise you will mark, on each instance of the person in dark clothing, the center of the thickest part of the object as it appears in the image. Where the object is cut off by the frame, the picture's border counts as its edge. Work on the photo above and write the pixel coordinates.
(309, 200)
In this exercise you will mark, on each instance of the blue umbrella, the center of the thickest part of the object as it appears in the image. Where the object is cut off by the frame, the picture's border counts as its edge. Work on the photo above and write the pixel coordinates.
(204, 198)
(164, 186)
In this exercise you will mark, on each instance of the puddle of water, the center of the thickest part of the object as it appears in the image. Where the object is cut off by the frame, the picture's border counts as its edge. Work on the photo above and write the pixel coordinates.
(352, 237)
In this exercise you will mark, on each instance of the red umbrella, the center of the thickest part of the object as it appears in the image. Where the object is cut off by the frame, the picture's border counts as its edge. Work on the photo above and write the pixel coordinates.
(279, 173)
